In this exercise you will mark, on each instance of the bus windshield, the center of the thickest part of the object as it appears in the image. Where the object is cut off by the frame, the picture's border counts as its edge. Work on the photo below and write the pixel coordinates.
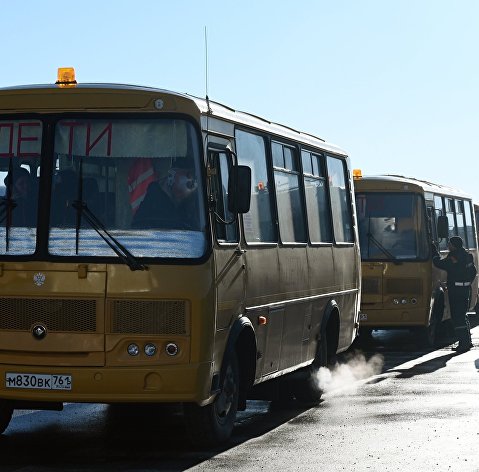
(136, 180)
(392, 226)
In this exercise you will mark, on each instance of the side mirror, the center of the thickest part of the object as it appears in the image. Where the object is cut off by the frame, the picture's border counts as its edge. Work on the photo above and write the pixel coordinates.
(442, 227)
(239, 189)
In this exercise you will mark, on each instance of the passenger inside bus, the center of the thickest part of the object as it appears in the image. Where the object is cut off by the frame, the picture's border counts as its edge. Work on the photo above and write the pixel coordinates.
(170, 202)
(22, 194)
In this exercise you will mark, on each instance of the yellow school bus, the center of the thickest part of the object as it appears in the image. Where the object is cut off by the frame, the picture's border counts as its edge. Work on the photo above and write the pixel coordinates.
(398, 219)
(157, 247)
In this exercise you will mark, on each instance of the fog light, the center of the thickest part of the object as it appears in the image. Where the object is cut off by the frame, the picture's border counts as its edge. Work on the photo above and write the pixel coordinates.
(172, 349)
(150, 349)
(133, 349)
(413, 301)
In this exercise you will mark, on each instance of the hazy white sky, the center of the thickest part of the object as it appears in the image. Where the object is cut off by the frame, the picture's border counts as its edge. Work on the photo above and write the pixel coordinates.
(394, 83)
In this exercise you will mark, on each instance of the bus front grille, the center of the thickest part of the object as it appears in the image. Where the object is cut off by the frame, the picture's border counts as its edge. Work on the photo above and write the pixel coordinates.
(63, 315)
(404, 286)
(150, 317)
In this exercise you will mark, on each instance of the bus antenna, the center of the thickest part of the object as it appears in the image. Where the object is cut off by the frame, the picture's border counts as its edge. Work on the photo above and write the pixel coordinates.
(206, 71)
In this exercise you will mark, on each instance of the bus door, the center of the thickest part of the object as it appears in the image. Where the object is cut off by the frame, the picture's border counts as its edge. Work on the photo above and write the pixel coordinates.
(229, 255)
(245, 276)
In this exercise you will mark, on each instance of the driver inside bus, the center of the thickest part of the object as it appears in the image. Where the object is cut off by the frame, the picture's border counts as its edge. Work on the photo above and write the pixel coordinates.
(21, 188)
(170, 202)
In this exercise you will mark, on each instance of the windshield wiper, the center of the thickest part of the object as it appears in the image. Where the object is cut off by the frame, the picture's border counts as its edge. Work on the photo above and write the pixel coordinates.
(82, 210)
(121, 251)
(382, 248)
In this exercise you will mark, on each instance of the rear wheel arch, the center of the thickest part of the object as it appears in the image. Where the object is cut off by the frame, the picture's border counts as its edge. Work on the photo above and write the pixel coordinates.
(306, 387)
(330, 327)
(242, 343)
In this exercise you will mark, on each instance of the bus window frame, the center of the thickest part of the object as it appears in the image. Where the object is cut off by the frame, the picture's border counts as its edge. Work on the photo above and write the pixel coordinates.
(296, 149)
(271, 189)
(324, 178)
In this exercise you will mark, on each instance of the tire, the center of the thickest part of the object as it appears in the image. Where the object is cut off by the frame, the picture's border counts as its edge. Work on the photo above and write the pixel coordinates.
(213, 424)
(307, 390)
(6, 412)
(428, 335)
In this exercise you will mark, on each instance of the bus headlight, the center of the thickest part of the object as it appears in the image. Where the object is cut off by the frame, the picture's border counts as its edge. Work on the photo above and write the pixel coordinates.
(150, 349)
(403, 301)
(395, 301)
(172, 349)
(133, 349)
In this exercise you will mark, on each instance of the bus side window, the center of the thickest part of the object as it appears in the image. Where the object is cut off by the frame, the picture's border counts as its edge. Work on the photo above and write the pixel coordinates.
(460, 223)
(431, 222)
(439, 210)
(226, 225)
(340, 201)
(317, 199)
(291, 214)
(470, 233)
(258, 224)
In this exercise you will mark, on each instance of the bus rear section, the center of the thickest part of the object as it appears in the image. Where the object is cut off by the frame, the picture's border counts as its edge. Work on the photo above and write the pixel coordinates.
(398, 221)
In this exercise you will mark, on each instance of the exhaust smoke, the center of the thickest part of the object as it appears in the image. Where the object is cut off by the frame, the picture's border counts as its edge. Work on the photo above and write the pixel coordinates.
(346, 375)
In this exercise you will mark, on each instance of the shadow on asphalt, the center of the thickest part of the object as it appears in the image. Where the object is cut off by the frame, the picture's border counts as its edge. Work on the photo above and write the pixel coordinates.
(102, 438)
(404, 344)
(425, 367)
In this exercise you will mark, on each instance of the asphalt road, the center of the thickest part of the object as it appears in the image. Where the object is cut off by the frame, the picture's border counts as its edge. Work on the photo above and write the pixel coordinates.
(389, 406)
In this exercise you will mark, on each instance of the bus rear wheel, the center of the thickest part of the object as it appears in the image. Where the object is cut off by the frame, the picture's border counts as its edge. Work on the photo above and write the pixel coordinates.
(6, 412)
(212, 424)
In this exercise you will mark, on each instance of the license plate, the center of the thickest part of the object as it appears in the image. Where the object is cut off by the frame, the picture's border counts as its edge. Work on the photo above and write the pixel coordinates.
(38, 381)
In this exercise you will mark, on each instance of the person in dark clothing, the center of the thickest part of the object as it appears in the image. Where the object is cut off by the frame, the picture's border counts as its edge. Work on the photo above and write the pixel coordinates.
(458, 288)
(24, 209)
(170, 202)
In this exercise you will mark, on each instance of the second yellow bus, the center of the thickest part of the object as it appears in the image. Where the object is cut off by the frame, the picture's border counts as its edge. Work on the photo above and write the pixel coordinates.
(398, 218)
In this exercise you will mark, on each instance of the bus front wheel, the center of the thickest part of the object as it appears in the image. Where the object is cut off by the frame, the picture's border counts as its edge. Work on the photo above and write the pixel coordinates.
(6, 412)
(428, 334)
(212, 424)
